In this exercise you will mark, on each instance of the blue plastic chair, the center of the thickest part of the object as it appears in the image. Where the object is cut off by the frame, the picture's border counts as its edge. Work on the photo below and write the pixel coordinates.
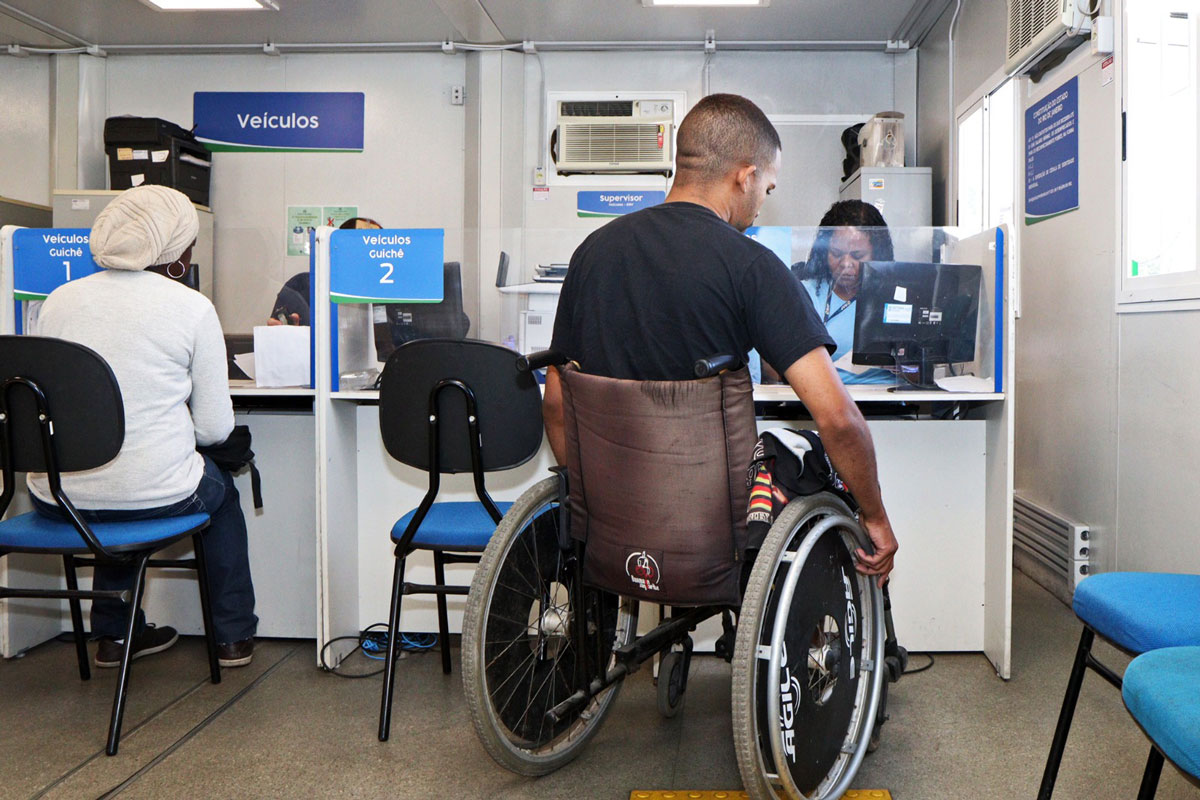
(1162, 692)
(451, 406)
(1137, 612)
(61, 411)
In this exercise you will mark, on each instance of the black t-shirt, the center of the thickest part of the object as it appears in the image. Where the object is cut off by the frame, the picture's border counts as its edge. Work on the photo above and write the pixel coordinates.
(653, 291)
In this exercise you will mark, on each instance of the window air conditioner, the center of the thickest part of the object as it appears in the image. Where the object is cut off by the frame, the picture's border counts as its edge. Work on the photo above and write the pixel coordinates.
(1038, 28)
(614, 136)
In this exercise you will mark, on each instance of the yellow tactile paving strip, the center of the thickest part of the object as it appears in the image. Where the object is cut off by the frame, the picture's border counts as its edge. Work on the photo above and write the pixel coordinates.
(853, 794)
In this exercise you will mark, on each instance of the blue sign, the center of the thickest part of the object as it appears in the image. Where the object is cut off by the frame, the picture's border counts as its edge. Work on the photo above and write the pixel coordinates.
(284, 122)
(386, 266)
(776, 238)
(46, 258)
(614, 204)
(1052, 154)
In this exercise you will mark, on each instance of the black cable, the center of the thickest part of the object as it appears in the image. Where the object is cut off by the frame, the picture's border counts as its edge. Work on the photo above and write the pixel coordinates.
(919, 669)
(373, 644)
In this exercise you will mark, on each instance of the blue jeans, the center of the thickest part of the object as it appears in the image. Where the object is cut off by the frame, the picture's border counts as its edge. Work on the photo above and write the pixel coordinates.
(226, 556)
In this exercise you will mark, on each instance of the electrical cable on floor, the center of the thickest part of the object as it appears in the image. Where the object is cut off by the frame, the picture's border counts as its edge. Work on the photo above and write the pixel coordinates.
(373, 644)
(920, 669)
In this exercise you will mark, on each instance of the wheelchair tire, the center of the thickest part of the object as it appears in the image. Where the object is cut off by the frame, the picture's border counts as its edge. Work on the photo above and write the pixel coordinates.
(808, 740)
(517, 648)
(672, 681)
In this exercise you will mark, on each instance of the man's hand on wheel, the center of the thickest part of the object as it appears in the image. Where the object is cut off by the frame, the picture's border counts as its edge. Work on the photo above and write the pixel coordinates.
(881, 562)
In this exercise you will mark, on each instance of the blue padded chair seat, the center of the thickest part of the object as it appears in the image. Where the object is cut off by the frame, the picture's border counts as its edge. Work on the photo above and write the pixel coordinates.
(1141, 611)
(1160, 691)
(449, 526)
(33, 533)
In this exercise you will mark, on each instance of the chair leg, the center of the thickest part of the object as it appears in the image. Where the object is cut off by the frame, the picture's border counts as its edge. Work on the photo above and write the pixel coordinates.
(81, 653)
(118, 712)
(389, 665)
(1154, 764)
(210, 635)
(1054, 758)
(439, 574)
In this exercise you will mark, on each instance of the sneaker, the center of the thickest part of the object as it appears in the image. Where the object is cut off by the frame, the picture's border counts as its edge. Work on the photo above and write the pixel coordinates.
(236, 654)
(151, 640)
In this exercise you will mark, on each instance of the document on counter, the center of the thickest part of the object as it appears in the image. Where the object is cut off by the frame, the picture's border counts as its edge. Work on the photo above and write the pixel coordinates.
(281, 355)
(966, 383)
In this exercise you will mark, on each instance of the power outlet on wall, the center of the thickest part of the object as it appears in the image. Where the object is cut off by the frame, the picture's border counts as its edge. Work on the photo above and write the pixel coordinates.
(457, 95)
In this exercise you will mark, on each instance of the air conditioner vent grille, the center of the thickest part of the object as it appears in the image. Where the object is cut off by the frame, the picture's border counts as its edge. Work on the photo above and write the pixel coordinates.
(610, 143)
(596, 108)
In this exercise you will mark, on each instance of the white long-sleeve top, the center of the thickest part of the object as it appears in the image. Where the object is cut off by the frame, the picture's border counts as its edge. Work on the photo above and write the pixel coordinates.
(165, 346)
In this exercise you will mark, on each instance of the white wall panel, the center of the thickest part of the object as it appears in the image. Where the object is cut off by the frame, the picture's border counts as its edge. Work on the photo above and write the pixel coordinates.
(25, 129)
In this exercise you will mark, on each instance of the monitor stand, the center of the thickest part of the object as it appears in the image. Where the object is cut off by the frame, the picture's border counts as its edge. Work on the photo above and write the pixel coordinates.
(919, 360)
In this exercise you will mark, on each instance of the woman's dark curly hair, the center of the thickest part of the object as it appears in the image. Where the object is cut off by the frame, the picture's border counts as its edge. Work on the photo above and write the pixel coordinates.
(845, 214)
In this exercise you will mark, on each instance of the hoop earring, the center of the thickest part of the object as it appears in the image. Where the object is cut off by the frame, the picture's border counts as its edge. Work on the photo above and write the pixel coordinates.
(171, 271)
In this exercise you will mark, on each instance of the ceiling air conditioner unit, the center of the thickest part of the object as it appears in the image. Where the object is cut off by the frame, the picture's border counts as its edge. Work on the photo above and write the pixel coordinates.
(1038, 28)
(614, 136)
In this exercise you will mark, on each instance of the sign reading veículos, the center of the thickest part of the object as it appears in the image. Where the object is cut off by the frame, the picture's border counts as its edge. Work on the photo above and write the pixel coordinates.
(285, 122)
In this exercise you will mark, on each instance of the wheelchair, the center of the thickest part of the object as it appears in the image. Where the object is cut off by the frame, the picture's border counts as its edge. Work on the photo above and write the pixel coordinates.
(545, 649)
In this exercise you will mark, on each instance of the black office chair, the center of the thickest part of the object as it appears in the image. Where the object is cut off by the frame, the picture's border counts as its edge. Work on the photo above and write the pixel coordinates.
(61, 411)
(451, 406)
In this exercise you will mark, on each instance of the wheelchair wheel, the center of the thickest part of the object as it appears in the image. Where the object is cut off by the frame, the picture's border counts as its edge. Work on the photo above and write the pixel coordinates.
(672, 682)
(808, 660)
(518, 651)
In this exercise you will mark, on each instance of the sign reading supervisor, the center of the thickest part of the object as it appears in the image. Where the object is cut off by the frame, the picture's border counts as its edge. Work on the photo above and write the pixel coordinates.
(46, 258)
(287, 122)
(402, 265)
(614, 204)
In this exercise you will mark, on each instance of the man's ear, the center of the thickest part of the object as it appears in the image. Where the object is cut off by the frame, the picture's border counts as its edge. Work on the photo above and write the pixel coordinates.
(744, 176)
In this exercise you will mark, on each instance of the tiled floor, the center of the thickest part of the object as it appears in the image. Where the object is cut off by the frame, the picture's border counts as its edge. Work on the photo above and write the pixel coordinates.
(282, 728)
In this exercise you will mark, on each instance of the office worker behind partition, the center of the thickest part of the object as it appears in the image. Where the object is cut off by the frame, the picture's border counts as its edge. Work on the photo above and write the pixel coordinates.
(651, 291)
(850, 233)
(291, 304)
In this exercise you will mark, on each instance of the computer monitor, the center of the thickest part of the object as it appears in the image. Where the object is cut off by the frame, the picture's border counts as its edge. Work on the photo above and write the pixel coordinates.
(915, 316)
(409, 321)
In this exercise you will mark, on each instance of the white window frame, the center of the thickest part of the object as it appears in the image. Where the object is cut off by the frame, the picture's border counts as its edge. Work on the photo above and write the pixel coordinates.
(1175, 291)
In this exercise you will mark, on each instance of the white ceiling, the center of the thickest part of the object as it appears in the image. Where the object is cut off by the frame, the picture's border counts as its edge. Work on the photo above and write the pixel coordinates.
(130, 22)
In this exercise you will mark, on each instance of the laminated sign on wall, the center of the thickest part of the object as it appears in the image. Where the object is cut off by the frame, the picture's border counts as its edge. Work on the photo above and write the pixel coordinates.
(1052, 154)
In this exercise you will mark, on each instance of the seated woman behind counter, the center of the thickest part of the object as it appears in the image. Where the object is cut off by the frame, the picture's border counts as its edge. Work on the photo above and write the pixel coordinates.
(850, 233)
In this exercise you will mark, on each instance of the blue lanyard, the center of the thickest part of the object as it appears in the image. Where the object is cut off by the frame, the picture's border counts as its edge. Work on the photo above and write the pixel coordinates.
(828, 298)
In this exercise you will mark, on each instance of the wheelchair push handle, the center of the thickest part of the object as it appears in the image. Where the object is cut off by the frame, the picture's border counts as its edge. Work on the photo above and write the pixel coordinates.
(540, 359)
(707, 367)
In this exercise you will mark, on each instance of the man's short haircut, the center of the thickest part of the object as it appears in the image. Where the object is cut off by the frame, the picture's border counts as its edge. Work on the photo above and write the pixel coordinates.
(723, 132)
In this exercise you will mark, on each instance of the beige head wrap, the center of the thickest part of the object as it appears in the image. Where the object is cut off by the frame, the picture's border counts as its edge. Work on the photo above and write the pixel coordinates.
(143, 227)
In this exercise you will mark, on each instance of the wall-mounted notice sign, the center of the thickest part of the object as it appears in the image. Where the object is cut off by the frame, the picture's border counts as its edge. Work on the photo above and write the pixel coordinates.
(1052, 154)
(46, 258)
(614, 204)
(284, 122)
(386, 266)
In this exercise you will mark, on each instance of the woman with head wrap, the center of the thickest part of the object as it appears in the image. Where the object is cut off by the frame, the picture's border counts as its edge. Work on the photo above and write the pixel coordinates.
(851, 232)
(164, 344)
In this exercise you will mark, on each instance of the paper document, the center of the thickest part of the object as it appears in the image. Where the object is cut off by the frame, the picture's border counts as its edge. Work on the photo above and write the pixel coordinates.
(245, 362)
(966, 383)
(281, 355)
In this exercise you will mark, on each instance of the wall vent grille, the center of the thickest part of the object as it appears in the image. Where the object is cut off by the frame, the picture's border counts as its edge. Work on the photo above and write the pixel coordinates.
(1059, 546)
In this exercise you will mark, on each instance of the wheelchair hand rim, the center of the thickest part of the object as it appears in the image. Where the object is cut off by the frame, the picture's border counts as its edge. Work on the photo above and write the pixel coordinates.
(796, 561)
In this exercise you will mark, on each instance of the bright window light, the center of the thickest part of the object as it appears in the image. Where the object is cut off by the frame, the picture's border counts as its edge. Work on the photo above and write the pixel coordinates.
(761, 3)
(213, 5)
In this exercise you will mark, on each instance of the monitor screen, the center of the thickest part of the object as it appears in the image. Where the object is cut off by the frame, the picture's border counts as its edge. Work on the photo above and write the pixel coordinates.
(919, 314)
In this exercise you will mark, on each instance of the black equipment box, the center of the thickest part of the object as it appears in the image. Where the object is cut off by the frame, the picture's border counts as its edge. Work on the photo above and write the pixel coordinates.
(148, 150)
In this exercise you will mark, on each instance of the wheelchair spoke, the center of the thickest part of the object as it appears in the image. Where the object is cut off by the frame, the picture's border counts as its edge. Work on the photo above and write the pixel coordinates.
(532, 660)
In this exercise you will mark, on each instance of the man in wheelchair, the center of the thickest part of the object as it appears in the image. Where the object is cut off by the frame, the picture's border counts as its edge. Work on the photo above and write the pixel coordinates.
(653, 501)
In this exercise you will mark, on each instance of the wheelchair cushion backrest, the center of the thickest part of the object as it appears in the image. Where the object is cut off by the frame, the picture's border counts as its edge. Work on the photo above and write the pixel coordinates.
(82, 395)
(657, 473)
(508, 402)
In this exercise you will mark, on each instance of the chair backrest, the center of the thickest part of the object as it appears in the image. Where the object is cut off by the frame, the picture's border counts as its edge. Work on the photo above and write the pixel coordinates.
(508, 405)
(82, 396)
(658, 481)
